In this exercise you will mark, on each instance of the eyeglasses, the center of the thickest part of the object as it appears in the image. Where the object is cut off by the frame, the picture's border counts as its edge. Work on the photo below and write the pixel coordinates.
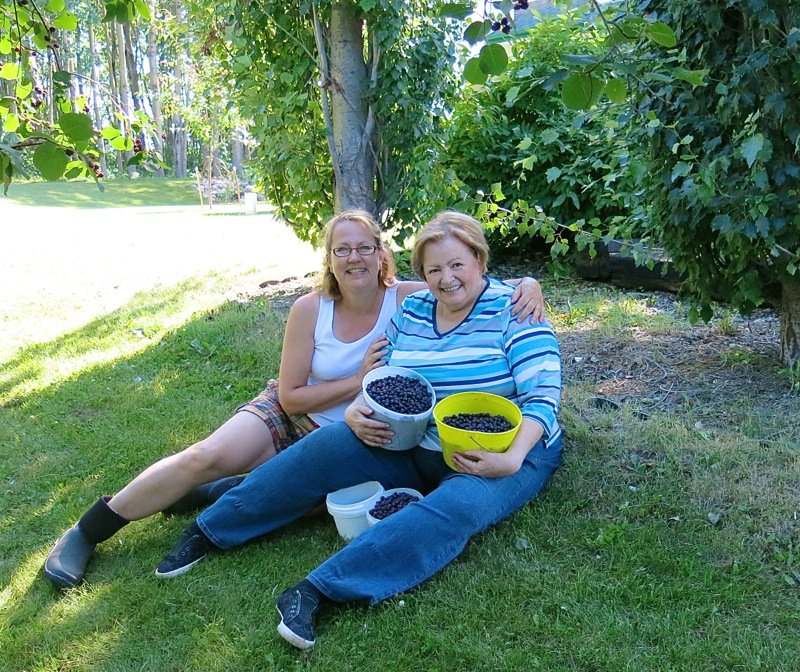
(363, 250)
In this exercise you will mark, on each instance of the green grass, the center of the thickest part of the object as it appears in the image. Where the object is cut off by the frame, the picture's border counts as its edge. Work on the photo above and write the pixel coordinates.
(617, 565)
(114, 194)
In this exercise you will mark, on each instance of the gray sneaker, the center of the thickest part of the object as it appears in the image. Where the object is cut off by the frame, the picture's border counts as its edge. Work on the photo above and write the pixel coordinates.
(66, 563)
(191, 548)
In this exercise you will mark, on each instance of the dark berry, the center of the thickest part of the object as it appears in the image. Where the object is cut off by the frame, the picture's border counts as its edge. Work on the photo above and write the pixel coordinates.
(479, 422)
(496, 25)
(390, 504)
(400, 394)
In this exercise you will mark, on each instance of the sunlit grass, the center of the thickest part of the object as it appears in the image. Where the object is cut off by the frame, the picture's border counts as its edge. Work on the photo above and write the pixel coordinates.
(114, 194)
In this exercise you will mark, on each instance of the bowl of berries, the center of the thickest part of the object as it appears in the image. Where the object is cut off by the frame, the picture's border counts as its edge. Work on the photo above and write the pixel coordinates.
(403, 399)
(391, 501)
(476, 421)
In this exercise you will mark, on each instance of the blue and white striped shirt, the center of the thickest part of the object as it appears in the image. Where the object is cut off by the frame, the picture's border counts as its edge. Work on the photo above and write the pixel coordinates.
(488, 352)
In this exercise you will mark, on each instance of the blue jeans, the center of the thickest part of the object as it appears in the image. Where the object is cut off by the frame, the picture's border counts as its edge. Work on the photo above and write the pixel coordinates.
(401, 551)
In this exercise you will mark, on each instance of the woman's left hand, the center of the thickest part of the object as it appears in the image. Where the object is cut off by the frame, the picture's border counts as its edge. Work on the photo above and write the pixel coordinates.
(528, 301)
(484, 463)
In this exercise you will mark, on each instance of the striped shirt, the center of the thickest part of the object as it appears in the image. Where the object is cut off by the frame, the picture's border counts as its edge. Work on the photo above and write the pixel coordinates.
(489, 351)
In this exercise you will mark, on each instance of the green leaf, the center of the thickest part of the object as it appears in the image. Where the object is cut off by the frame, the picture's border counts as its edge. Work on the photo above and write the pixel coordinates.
(616, 90)
(681, 169)
(582, 60)
(62, 77)
(110, 132)
(751, 147)
(76, 126)
(477, 31)
(456, 10)
(11, 123)
(511, 95)
(473, 72)
(50, 160)
(55, 6)
(580, 92)
(66, 21)
(525, 143)
(143, 10)
(549, 135)
(9, 71)
(493, 59)
(553, 174)
(5, 45)
(661, 33)
(694, 77)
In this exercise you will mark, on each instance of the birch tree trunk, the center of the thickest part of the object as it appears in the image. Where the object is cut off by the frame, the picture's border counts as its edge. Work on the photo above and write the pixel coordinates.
(154, 79)
(790, 322)
(353, 157)
(95, 96)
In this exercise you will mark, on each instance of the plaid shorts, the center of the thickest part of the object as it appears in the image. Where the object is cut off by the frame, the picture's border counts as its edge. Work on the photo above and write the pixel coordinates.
(285, 429)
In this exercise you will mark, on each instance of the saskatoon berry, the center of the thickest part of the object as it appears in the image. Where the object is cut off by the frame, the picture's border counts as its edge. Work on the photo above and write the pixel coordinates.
(400, 394)
(479, 422)
(390, 504)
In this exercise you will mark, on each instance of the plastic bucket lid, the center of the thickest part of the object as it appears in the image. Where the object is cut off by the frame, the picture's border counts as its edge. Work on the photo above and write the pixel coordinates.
(455, 440)
(349, 507)
(408, 429)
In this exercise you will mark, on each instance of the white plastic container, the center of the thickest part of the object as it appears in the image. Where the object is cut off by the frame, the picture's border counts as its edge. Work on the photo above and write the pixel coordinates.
(349, 507)
(250, 202)
(371, 520)
(408, 429)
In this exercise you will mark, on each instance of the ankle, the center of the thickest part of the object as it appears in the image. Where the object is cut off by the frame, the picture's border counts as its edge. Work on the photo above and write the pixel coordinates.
(101, 522)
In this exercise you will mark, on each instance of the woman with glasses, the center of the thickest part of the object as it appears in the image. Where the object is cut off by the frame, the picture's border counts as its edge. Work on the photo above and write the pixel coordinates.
(333, 338)
(460, 335)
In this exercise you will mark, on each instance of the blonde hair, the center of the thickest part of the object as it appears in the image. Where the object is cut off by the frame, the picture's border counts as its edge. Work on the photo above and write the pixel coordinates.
(458, 225)
(329, 285)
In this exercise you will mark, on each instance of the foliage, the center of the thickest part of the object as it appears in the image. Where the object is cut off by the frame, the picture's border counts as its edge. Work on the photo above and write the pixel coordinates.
(274, 57)
(61, 136)
(541, 170)
(725, 156)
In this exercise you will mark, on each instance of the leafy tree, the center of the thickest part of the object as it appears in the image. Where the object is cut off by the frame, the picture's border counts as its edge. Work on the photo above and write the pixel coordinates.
(723, 188)
(348, 102)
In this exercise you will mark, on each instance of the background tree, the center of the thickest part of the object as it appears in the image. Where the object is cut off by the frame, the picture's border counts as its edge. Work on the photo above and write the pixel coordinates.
(723, 189)
(348, 102)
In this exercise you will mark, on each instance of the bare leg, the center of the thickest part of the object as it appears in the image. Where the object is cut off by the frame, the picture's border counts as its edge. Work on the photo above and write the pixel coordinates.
(238, 446)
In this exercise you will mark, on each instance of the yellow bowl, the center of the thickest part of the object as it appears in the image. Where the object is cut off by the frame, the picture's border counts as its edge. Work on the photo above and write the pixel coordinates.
(459, 440)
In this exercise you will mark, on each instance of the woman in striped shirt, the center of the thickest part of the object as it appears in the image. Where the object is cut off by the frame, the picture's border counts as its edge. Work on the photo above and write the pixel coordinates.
(460, 335)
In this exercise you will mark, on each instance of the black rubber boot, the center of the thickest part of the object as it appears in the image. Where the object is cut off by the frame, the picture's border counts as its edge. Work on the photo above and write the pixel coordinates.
(66, 564)
(203, 495)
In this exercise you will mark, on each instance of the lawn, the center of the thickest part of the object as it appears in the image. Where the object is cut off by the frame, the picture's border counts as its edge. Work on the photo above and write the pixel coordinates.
(110, 194)
(669, 540)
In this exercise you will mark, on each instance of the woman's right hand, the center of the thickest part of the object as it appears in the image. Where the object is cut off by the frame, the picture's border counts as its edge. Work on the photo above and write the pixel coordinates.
(371, 432)
(375, 356)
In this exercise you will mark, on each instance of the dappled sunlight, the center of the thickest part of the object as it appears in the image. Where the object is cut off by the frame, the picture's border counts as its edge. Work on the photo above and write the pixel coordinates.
(146, 319)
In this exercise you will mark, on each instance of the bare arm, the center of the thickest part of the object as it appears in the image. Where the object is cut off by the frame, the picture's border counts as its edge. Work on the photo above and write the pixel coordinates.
(296, 395)
(528, 299)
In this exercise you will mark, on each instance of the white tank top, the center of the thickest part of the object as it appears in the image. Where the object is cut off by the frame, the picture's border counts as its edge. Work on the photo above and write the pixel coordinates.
(334, 359)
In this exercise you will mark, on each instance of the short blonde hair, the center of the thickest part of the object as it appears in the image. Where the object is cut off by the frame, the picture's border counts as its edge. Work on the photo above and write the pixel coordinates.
(329, 285)
(458, 225)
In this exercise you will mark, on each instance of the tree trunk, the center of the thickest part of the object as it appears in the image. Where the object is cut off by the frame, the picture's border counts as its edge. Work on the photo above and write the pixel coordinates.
(124, 91)
(790, 322)
(180, 142)
(353, 160)
(155, 87)
(95, 97)
(237, 154)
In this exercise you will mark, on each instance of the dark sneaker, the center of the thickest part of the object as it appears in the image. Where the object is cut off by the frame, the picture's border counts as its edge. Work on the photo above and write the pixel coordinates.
(191, 548)
(298, 608)
(66, 564)
(203, 495)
